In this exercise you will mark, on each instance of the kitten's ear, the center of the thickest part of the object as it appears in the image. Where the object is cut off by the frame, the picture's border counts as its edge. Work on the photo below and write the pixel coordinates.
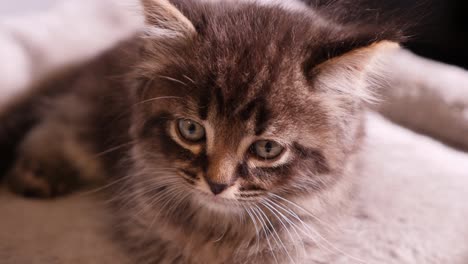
(346, 65)
(165, 22)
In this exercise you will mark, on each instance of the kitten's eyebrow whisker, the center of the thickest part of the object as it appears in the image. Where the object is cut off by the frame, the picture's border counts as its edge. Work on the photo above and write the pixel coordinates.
(157, 98)
(172, 80)
(188, 78)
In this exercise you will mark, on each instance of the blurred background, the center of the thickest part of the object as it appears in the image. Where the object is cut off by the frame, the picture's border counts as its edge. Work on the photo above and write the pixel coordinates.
(443, 33)
(436, 29)
(21, 7)
(439, 30)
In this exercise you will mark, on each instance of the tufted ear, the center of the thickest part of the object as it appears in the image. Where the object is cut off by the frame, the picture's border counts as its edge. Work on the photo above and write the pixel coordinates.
(349, 59)
(167, 33)
(165, 21)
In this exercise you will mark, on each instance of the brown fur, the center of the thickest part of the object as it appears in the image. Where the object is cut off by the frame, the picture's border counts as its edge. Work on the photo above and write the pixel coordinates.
(246, 72)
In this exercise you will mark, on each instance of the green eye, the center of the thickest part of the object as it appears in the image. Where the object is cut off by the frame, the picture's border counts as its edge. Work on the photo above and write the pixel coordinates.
(266, 149)
(191, 130)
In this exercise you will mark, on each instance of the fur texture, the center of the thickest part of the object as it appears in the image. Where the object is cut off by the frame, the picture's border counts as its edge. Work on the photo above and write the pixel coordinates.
(245, 72)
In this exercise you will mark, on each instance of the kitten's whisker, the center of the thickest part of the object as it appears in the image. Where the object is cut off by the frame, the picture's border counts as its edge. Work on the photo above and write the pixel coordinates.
(168, 196)
(276, 234)
(318, 234)
(306, 229)
(271, 205)
(104, 187)
(155, 216)
(110, 150)
(80, 194)
(284, 226)
(266, 226)
(156, 99)
(257, 231)
(221, 237)
(182, 196)
(260, 219)
(189, 79)
(172, 80)
(303, 210)
(123, 187)
(143, 190)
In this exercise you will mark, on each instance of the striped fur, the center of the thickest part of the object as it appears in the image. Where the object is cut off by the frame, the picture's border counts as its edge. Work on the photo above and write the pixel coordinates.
(245, 72)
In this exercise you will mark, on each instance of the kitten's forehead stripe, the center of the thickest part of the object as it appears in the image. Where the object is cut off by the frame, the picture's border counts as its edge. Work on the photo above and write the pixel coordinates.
(245, 113)
(206, 96)
(219, 100)
(262, 119)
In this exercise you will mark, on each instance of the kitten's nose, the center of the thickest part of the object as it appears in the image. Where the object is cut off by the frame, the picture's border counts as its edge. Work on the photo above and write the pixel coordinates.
(217, 188)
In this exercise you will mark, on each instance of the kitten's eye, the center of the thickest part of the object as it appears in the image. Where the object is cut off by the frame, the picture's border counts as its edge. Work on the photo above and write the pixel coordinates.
(266, 149)
(191, 130)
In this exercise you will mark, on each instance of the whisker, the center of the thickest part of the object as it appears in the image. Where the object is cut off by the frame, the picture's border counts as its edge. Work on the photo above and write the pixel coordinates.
(172, 80)
(257, 232)
(278, 237)
(80, 194)
(260, 219)
(189, 79)
(316, 232)
(307, 227)
(110, 150)
(270, 205)
(156, 99)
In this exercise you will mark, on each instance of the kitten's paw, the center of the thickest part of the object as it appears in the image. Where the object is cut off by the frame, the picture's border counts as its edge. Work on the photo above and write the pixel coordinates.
(36, 178)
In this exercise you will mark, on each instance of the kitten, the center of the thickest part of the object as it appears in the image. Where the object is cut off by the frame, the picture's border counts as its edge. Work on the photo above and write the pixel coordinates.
(231, 129)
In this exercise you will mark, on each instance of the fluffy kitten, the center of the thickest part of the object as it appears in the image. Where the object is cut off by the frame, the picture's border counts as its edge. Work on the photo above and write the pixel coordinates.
(230, 129)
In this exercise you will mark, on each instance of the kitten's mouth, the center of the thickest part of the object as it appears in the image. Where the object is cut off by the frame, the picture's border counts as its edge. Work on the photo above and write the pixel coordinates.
(214, 198)
(216, 202)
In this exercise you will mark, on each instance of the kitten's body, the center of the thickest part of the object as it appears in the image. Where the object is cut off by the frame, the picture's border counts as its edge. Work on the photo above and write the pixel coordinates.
(247, 72)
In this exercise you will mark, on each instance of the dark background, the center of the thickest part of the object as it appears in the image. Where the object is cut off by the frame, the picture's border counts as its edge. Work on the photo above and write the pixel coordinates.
(444, 34)
(437, 29)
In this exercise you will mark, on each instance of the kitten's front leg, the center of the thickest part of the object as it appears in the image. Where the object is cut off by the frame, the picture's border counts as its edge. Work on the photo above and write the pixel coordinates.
(44, 167)
(55, 157)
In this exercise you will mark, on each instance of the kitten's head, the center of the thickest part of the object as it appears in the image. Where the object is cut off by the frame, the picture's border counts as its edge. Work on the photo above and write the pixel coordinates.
(236, 102)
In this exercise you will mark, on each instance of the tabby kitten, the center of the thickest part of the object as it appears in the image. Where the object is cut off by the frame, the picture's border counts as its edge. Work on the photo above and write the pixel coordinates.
(231, 129)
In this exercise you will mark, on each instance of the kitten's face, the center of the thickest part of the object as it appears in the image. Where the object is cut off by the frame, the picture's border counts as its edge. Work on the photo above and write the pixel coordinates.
(239, 111)
(261, 137)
